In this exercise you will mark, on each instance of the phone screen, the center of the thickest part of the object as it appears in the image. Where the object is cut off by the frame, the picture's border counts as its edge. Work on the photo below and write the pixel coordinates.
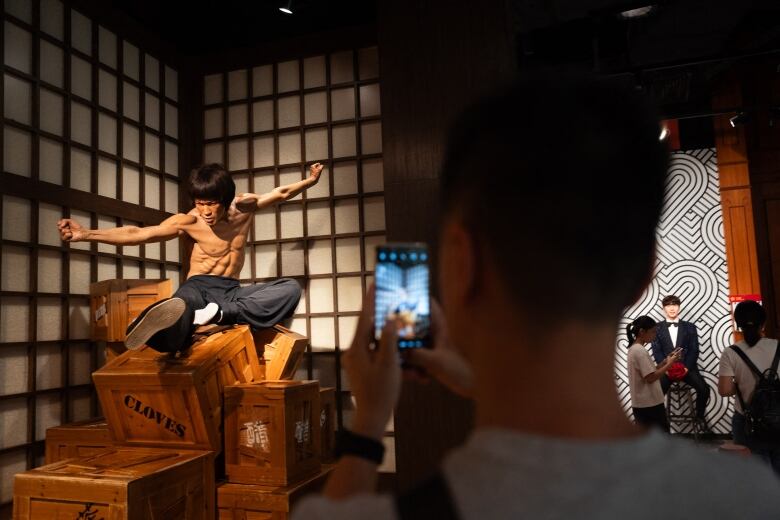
(402, 293)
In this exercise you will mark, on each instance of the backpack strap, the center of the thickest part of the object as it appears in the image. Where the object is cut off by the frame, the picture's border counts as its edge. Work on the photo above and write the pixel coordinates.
(776, 360)
(431, 499)
(749, 363)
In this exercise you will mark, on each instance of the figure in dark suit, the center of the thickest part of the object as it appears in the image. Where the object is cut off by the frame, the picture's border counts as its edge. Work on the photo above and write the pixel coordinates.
(674, 333)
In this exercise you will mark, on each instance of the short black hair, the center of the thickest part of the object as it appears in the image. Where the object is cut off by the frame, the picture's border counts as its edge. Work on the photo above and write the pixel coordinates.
(212, 182)
(670, 300)
(561, 180)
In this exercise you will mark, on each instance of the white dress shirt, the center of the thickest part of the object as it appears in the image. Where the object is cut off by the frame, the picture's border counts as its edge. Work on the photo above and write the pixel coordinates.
(674, 330)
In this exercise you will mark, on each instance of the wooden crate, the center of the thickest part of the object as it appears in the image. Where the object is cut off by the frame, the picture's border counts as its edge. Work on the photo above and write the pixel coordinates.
(282, 350)
(78, 439)
(115, 303)
(248, 501)
(157, 399)
(120, 483)
(272, 432)
(328, 424)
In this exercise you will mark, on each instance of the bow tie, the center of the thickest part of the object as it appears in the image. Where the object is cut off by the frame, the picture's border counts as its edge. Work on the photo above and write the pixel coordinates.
(672, 323)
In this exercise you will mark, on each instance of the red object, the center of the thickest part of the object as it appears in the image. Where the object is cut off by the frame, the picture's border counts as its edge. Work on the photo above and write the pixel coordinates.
(677, 371)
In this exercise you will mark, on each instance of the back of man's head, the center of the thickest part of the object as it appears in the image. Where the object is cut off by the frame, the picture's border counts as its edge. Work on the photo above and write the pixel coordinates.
(562, 182)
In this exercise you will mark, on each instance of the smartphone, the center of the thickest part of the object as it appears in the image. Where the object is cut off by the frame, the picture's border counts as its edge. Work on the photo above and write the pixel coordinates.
(403, 293)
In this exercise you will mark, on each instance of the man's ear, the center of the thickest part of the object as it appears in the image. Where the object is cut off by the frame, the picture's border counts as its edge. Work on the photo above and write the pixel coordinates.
(458, 261)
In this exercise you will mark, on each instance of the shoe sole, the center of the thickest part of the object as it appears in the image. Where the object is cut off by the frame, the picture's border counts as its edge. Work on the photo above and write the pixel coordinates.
(158, 318)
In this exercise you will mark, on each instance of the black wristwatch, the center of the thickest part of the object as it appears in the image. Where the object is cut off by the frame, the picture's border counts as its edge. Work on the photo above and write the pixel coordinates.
(349, 443)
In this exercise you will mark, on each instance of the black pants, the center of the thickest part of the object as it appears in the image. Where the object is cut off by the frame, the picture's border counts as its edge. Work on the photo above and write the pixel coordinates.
(694, 379)
(259, 305)
(652, 416)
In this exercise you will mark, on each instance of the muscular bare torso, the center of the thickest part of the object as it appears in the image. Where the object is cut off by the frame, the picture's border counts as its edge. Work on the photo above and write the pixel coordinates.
(219, 249)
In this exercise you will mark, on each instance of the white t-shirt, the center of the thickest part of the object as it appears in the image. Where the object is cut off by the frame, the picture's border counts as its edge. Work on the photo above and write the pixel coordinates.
(643, 395)
(731, 365)
(502, 474)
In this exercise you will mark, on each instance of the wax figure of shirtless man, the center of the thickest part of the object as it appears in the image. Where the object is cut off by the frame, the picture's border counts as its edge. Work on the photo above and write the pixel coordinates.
(218, 225)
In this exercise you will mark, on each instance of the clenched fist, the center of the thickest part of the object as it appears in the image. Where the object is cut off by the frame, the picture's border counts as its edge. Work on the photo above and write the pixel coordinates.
(70, 230)
(315, 170)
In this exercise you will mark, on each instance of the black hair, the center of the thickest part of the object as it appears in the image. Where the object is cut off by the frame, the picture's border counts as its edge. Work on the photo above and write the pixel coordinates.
(670, 300)
(212, 182)
(538, 174)
(641, 323)
(750, 317)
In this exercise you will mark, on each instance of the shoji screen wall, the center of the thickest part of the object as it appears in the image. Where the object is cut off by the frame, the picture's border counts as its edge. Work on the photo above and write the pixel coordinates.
(90, 131)
(267, 124)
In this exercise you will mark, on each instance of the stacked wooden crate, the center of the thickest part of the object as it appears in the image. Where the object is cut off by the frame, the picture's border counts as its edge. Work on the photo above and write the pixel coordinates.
(168, 417)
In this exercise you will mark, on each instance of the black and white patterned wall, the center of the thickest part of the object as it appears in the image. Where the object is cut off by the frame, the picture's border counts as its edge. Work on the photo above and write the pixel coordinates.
(691, 263)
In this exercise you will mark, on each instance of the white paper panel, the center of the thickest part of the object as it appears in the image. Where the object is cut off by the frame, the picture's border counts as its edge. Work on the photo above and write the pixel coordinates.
(48, 216)
(212, 89)
(107, 133)
(171, 196)
(131, 60)
(49, 271)
(347, 216)
(287, 76)
(107, 177)
(21, 9)
(344, 141)
(47, 414)
(374, 213)
(264, 182)
(265, 224)
(80, 123)
(48, 368)
(13, 366)
(107, 90)
(345, 178)
(262, 80)
(314, 72)
(13, 422)
(131, 101)
(131, 270)
(237, 119)
(265, 261)
(290, 176)
(342, 103)
(371, 243)
(131, 182)
(171, 83)
(318, 219)
(52, 17)
(371, 137)
(152, 151)
(320, 257)
(350, 294)
(49, 326)
(262, 116)
(18, 48)
(347, 327)
(151, 190)
(152, 251)
(321, 295)
(52, 67)
(11, 463)
(263, 151)
(316, 144)
(289, 148)
(369, 100)
(341, 68)
(50, 161)
(292, 221)
(107, 47)
(368, 63)
(172, 251)
(130, 142)
(299, 325)
(14, 319)
(323, 333)
(171, 121)
(315, 106)
(105, 222)
(348, 255)
(373, 175)
(238, 158)
(51, 112)
(172, 274)
(301, 308)
(80, 169)
(83, 218)
(79, 274)
(80, 362)
(212, 123)
(237, 84)
(17, 98)
(80, 405)
(81, 77)
(152, 111)
(80, 32)
(213, 153)
(15, 275)
(153, 271)
(17, 150)
(152, 72)
(288, 111)
(106, 269)
(292, 259)
(246, 268)
(17, 214)
(171, 158)
(78, 317)
(322, 188)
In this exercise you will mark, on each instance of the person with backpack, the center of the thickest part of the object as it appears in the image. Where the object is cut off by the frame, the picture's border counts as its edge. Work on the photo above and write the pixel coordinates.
(749, 370)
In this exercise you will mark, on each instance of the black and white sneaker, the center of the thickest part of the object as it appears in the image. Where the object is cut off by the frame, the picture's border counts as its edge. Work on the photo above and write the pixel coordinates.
(153, 319)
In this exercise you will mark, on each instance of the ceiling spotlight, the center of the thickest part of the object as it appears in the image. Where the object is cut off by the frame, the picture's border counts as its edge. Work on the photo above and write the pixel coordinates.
(287, 9)
(639, 12)
(740, 119)
(664, 133)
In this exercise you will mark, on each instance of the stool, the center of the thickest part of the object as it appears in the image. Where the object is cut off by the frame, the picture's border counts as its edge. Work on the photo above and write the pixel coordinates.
(681, 409)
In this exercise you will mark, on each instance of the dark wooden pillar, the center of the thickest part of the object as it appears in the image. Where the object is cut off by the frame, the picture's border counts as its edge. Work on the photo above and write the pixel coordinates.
(436, 57)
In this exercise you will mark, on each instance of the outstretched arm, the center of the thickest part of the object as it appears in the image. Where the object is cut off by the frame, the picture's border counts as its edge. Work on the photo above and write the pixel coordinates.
(72, 231)
(248, 202)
